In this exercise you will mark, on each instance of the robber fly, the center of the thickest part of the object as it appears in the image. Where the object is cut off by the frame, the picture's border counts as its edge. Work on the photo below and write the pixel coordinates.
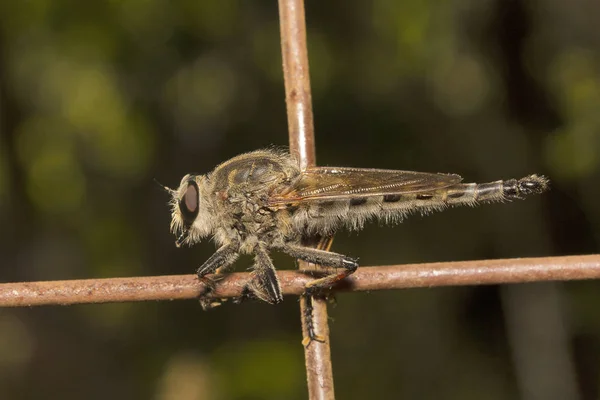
(262, 201)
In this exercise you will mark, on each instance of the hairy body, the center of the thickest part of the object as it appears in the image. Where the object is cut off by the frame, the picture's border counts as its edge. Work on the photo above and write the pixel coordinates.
(261, 201)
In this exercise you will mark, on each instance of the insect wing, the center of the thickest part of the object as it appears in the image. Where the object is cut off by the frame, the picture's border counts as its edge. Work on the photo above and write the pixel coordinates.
(331, 183)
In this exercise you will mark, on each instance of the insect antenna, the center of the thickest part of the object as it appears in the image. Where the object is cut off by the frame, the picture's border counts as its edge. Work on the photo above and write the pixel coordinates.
(163, 187)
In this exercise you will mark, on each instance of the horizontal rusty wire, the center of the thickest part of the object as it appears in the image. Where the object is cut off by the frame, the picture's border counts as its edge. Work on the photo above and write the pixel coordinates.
(518, 270)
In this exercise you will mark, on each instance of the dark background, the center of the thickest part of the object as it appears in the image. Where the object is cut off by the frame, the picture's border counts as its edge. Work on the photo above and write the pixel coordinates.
(99, 98)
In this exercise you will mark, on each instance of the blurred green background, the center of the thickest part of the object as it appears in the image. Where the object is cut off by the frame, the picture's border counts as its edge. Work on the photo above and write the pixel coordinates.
(98, 98)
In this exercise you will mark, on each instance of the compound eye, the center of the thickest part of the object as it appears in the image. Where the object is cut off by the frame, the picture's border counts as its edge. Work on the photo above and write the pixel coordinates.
(191, 199)
(188, 205)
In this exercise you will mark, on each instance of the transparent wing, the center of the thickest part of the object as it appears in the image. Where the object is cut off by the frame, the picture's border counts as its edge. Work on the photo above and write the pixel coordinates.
(331, 183)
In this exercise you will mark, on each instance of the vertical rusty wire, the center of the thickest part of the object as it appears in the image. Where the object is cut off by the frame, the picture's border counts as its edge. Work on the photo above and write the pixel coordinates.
(297, 81)
(302, 145)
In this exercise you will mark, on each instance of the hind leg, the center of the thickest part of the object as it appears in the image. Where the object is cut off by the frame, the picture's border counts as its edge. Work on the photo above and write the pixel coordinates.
(336, 266)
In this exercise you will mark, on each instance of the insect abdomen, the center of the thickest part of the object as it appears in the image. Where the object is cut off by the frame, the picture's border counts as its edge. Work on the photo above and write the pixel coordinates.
(326, 217)
(472, 193)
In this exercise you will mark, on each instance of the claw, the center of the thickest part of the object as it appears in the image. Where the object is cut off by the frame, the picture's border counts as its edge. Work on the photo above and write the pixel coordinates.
(308, 340)
(209, 304)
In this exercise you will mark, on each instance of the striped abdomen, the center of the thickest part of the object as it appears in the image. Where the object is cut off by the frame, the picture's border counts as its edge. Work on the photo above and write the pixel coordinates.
(325, 217)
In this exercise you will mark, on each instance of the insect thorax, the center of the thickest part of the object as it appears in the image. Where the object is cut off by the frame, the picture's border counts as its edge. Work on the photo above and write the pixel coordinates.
(240, 189)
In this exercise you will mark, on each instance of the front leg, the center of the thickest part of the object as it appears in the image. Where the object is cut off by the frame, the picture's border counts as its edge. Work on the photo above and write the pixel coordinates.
(219, 261)
(222, 258)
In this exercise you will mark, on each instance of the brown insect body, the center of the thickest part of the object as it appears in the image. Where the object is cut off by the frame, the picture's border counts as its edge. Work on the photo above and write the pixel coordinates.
(262, 201)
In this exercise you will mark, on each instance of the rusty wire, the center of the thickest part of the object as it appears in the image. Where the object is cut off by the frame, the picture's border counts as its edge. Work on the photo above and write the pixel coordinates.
(482, 272)
(317, 355)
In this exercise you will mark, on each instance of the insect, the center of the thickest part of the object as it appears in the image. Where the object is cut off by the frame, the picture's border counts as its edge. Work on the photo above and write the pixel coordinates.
(261, 201)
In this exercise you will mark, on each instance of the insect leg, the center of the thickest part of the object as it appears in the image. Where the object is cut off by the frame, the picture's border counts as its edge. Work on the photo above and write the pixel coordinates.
(322, 243)
(219, 261)
(330, 263)
(320, 257)
(222, 258)
(326, 259)
(265, 284)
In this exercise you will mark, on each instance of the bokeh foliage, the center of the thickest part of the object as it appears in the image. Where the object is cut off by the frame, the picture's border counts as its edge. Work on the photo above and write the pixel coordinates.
(99, 98)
